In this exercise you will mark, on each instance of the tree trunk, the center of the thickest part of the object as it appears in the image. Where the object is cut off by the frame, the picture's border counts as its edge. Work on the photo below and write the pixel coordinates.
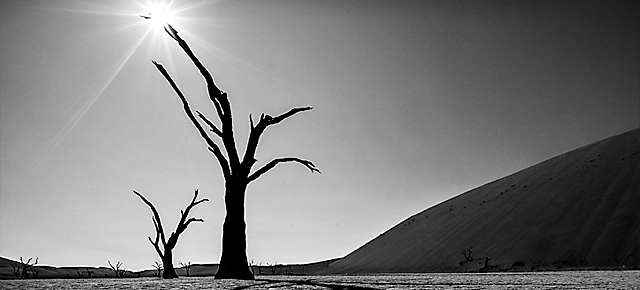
(233, 262)
(167, 263)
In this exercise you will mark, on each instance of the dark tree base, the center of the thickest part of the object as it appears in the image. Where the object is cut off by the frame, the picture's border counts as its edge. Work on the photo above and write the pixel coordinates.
(169, 273)
(240, 275)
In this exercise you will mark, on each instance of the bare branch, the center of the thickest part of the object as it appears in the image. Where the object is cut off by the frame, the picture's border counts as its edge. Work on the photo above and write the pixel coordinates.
(218, 97)
(214, 129)
(275, 162)
(278, 119)
(156, 218)
(193, 220)
(184, 220)
(119, 272)
(256, 132)
(156, 243)
(224, 165)
(187, 109)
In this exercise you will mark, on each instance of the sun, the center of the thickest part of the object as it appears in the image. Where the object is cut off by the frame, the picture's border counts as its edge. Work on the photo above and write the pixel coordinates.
(160, 14)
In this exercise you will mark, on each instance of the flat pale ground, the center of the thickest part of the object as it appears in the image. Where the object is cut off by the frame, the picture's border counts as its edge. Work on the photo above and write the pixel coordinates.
(576, 210)
(534, 280)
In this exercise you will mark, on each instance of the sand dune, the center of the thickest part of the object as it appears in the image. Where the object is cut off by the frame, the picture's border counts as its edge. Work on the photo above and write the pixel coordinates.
(576, 210)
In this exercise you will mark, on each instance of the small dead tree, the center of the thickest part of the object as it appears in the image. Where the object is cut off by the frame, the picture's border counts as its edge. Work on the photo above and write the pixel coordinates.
(119, 272)
(158, 268)
(186, 266)
(486, 262)
(467, 255)
(87, 271)
(25, 268)
(253, 266)
(165, 249)
(16, 271)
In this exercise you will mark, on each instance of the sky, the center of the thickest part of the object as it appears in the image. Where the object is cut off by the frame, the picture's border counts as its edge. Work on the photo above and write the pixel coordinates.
(414, 102)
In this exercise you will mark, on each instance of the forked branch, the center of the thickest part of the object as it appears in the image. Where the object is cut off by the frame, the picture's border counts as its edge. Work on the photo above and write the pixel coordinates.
(185, 220)
(224, 164)
(168, 245)
(213, 127)
(117, 270)
(257, 130)
(264, 169)
(157, 223)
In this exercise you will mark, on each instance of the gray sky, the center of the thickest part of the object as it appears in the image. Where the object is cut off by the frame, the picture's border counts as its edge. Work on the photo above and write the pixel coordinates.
(414, 102)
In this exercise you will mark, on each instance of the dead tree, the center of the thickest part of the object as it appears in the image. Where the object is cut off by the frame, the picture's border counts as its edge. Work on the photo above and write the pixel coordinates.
(486, 262)
(186, 266)
(165, 249)
(237, 171)
(119, 272)
(81, 274)
(467, 255)
(158, 268)
(16, 271)
(25, 268)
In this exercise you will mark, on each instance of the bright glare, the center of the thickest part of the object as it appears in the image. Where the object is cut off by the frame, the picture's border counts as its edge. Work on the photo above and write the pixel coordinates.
(159, 15)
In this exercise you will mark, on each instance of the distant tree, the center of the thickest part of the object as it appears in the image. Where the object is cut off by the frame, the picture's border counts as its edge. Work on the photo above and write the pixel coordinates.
(237, 172)
(119, 272)
(82, 273)
(165, 250)
(467, 255)
(253, 266)
(486, 262)
(187, 267)
(22, 272)
(158, 268)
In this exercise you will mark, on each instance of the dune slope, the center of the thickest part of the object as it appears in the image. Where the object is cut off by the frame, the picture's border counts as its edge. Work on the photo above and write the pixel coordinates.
(579, 209)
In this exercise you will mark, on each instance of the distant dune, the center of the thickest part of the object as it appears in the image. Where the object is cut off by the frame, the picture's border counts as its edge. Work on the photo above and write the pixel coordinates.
(576, 210)
(7, 267)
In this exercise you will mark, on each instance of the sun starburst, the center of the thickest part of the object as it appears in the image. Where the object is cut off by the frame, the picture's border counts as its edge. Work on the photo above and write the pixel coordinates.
(160, 14)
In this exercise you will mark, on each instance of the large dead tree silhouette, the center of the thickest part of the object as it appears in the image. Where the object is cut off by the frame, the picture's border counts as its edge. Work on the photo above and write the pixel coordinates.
(165, 249)
(236, 171)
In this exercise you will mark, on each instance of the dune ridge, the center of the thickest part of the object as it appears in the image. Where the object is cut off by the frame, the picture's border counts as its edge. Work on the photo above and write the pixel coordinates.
(576, 210)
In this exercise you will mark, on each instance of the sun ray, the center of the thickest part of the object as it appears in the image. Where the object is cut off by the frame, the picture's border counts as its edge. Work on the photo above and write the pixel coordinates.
(240, 60)
(161, 12)
(62, 133)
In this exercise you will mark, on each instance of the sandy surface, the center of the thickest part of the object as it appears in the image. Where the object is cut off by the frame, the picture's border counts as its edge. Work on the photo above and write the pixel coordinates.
(579, 209)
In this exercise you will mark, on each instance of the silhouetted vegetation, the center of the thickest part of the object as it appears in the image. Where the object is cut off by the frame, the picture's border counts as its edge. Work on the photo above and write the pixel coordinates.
(165, 250)
(467, 255)
(186, 266)
(25, 269)
(88, 272)
(158, 268)
(119, 272)
(237, 171)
